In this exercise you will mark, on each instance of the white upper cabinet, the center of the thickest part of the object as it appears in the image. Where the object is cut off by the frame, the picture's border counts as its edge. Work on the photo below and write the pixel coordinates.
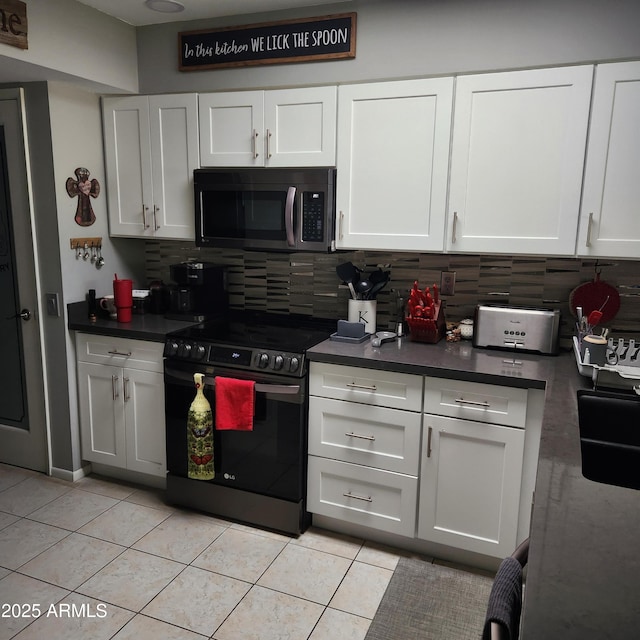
(151, 150)
(279, 128)
(393, 158)
(610, 215)
(517, 161)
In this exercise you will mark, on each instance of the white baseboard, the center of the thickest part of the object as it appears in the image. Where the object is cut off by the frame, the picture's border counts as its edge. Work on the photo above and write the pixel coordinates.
(70, 476)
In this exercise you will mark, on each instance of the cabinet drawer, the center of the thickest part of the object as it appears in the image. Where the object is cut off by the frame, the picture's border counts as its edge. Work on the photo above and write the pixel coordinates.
(123, 352)
(378, 499)
(369, 386)
(372, 436)
(476, 401)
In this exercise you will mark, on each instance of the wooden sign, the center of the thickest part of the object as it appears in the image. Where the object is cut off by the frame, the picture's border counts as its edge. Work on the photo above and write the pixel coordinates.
(13, 23)
(303, 40)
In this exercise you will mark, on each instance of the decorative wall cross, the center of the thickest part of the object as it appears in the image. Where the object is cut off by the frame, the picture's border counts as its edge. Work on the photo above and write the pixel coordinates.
(83, 188)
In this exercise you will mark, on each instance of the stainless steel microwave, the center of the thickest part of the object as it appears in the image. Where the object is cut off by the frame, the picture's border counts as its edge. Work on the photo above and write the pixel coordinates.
(266, 209)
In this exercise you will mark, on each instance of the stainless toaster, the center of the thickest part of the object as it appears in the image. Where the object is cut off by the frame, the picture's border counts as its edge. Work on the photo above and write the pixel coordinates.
(523, 328)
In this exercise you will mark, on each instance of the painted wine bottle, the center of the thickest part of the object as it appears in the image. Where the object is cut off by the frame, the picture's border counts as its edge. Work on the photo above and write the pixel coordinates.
(200, 434)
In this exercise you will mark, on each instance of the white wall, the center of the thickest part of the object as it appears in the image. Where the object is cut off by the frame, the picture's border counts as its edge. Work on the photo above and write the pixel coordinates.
(76, 141)
(406, 38)
(67, 38)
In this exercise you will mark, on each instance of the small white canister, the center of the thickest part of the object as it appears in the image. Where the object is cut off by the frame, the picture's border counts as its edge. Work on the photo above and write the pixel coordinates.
(466, 328)
(363, 311)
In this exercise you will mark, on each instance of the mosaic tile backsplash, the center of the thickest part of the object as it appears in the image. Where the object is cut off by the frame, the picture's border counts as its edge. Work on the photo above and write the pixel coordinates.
(307, 283)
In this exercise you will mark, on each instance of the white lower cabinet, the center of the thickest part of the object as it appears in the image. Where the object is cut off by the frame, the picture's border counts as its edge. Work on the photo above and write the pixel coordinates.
(470, 485)
(121, 396)
(363, 495)
(437, 460)
(364, 452)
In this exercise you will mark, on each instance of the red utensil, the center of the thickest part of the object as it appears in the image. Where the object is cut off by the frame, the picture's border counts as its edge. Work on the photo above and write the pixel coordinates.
(593, 319)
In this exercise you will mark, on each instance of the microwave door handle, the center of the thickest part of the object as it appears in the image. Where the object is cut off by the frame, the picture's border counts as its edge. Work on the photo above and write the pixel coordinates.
(288, 216)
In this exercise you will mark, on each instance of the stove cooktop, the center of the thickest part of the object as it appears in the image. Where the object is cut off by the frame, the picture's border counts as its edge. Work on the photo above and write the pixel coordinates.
(251, 340)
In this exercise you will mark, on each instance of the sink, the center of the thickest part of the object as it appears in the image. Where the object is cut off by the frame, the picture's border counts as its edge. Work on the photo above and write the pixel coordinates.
(610, 437)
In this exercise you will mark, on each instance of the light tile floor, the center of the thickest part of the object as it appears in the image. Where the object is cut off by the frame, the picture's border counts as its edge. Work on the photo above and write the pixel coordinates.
(101, 559)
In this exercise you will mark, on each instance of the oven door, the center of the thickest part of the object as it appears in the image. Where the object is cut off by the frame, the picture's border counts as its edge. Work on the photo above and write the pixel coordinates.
(269, 460)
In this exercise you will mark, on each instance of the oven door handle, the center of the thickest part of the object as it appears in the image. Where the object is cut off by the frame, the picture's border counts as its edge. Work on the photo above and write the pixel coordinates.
(210, 381)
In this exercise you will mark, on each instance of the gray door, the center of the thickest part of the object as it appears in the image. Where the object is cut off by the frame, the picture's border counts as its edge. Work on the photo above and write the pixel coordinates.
(23, 429)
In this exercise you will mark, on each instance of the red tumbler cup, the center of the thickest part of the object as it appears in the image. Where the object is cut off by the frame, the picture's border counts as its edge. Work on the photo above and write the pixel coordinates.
(123, 298)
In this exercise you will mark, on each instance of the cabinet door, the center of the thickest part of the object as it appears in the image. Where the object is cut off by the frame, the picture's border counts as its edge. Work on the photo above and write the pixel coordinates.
(102, 422)
(230, 129)
(128, 165)
(300, 127)
(393, 158)
(174, 153)
(373, 436)
(367, 386)
(470, 485)
(354, 493)
(517, 160)
(145, 422)
(609, 222)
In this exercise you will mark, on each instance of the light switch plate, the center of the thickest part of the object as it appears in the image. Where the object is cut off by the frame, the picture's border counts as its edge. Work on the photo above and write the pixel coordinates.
(53, 306)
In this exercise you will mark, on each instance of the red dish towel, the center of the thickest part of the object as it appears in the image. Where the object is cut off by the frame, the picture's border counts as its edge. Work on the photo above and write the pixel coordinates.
(234, 404)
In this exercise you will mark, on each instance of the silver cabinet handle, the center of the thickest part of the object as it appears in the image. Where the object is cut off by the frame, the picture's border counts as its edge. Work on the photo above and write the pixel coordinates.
(455, 224)
(340, 234)
(144, 216)
(115, 352)
(472, 402)
(348, 494)
(357, 435)
(429, 434)
(353, 385)
(125, 386)
(114, 387)
(268, 143)
(156, 226)
(255, 144)
(589, 224)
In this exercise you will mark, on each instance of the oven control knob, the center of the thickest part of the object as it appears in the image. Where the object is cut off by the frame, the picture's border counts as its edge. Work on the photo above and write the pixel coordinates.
(198, 352)
(185, 350)
(278, 362)
(263, 360)
(294, 364)
(171, 348)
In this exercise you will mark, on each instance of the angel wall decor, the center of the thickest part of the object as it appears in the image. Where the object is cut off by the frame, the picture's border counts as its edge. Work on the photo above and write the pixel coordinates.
(83, 188)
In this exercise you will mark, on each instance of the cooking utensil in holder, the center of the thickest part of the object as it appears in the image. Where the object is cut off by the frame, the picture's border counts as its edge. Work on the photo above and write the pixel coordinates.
(430, 330)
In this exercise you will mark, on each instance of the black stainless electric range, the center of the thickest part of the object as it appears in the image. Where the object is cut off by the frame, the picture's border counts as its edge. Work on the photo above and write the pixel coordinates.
(260, 475)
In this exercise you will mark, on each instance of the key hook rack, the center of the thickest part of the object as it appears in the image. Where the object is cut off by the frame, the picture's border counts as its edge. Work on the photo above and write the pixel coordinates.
(88, 250)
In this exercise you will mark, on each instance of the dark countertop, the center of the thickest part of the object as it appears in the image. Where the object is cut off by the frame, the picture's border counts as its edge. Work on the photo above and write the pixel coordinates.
(445, 360)
(583, 575)
(148, 326)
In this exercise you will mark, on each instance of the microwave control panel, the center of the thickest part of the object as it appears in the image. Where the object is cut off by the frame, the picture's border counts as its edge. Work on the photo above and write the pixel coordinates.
(313, 216)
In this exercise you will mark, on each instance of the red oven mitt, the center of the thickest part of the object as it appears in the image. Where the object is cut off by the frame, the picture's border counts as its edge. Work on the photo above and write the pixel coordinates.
(234, 404)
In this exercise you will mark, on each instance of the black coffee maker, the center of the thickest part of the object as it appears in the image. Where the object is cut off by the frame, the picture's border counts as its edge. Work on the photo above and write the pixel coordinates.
(199, 293)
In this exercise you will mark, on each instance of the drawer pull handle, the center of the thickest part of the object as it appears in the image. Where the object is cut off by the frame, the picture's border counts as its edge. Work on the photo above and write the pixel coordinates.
(348, 494)
(357, 435)
(115, 352)
(353, 385)
(429, 442)
(473, 402)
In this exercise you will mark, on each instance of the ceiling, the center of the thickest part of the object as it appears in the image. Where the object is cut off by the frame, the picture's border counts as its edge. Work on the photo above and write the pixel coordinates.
(136, 13)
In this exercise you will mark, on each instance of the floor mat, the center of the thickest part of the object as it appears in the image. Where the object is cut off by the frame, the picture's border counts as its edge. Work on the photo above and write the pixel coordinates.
(431, 602)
